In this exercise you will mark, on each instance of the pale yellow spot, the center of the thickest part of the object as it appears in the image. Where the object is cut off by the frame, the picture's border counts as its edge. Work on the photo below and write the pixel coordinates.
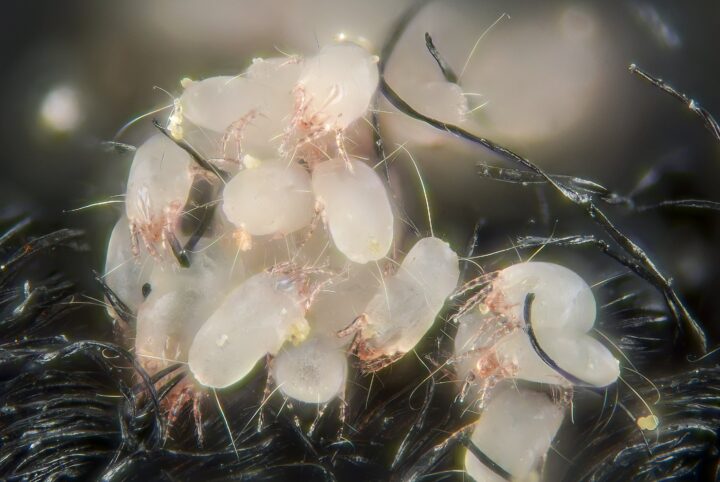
(648, 422)
(222, 339)
(243, 239)
(299, 331)
(374, 246)
(251, 162)
(176, 131)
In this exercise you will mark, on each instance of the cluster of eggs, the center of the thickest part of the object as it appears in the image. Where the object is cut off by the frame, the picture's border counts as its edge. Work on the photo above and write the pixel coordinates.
(294, 263)
(299, 262)
(531, 323)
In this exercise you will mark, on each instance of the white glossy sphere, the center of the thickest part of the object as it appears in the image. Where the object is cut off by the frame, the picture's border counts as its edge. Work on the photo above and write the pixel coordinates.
(160, 177)
(273, 198)
(562, 298)
(124, 273)
(254, 319)
(357, 208)
(515, 430)
(314, 371)
(337, 85)
(405, 307)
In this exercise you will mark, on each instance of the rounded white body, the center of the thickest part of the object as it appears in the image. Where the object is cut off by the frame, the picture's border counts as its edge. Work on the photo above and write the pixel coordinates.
(273, 198)
(337, 85)
(405, 307)
(515, 431)
(356, 207)
(160, 180)
(253, 320)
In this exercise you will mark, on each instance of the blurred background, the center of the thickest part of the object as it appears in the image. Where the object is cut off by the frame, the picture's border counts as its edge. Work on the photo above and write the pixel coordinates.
(549, 80)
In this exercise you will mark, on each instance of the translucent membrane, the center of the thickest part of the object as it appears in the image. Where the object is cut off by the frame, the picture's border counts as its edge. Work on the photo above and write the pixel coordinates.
(160, 179)
(253, 320)
(124, 272)
(180, 301)
(440, 100)
(337, 84)
(515, 431)
(343, 301)
(273, 198)
(356, 207)
(313, 371)
(562, 314)
(405, 307)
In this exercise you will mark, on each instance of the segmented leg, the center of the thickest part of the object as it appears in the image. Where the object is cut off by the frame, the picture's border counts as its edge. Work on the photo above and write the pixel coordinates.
(266, 392)
(355, 326)
(235, 132)
(197, 416)
(378, 363)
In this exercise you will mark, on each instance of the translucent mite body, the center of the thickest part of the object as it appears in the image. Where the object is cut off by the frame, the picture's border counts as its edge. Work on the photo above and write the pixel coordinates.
(493, 341)
(158, 186)
(405, 307)
(515, 431)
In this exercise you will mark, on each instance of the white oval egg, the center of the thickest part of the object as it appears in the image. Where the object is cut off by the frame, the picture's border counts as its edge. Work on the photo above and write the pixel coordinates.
(272, 198)
(406, 305)
(253, 320)
(357, 208)
(337, 85)
(125, 273)
(160, 178)
(314, 371)
(581, 355)
(562, 298)
(515, 431)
